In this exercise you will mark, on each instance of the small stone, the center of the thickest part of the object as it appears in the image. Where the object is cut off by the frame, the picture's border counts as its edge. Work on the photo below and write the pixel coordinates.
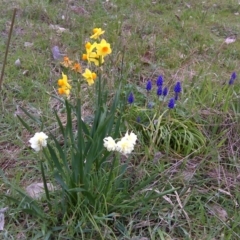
(28, 44)
(230, 40)
(36, 190)
(18, 63)
(25, 72)
(2, 211)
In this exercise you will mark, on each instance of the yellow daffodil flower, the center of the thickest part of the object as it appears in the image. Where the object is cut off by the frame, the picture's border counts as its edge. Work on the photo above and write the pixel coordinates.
(63, 90)
(89, 47)
(92, 56)
(103, 48)
(89, 76)
(63, 81)
(96, 33)
(64, 86)
(84, 56)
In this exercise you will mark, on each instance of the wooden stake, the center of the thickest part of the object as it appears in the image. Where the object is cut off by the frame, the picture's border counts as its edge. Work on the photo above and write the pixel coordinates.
(8, 43)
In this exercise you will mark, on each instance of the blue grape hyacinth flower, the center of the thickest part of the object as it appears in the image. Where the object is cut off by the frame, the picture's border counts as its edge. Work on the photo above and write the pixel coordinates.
(160, 81)
(177, 90)
(159, 90)
(233, 78)
(165, 92)
(177, 87)
(130, 98)
(149, 85)
(171, 103)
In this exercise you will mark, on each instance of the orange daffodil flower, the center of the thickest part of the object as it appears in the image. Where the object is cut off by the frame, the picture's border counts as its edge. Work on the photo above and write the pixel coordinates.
(64, 86)
(76, 68)
(89, 76)
(66, 62)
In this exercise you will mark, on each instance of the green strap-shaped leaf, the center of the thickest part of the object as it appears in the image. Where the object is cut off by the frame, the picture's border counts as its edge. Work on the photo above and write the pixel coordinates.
(25, 124)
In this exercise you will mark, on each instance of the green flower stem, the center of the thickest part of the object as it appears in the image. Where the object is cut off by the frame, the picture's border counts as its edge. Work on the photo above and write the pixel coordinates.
(227, 99)
(160, 105)
(99, 90)
(79, 89)
(79, 163)
(44, 182)
(147, 99)
(99, 85)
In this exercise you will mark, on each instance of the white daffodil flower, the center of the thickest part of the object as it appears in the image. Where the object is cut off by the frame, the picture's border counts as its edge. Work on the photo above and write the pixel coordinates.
(125, 146)
(38, 141)
(131, 137)
(109, 143)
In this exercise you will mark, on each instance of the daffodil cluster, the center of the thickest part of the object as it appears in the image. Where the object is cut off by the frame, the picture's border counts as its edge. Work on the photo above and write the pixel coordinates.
(96, 51)
(125, 145)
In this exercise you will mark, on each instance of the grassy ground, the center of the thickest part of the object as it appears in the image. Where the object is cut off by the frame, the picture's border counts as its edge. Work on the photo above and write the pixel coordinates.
(183, 41)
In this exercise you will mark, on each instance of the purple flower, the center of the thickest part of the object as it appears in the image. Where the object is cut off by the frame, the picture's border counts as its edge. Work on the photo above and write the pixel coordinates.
(130, 98)
(177, 87)
(232, 79)
(159, 90)
(160, 81)
(149, 85)
(165, 92)
(234, 75)
(171, 103)
(138, 119)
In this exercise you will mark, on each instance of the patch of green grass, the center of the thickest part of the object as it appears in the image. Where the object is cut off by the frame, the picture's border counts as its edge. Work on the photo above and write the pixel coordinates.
(181, 41)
